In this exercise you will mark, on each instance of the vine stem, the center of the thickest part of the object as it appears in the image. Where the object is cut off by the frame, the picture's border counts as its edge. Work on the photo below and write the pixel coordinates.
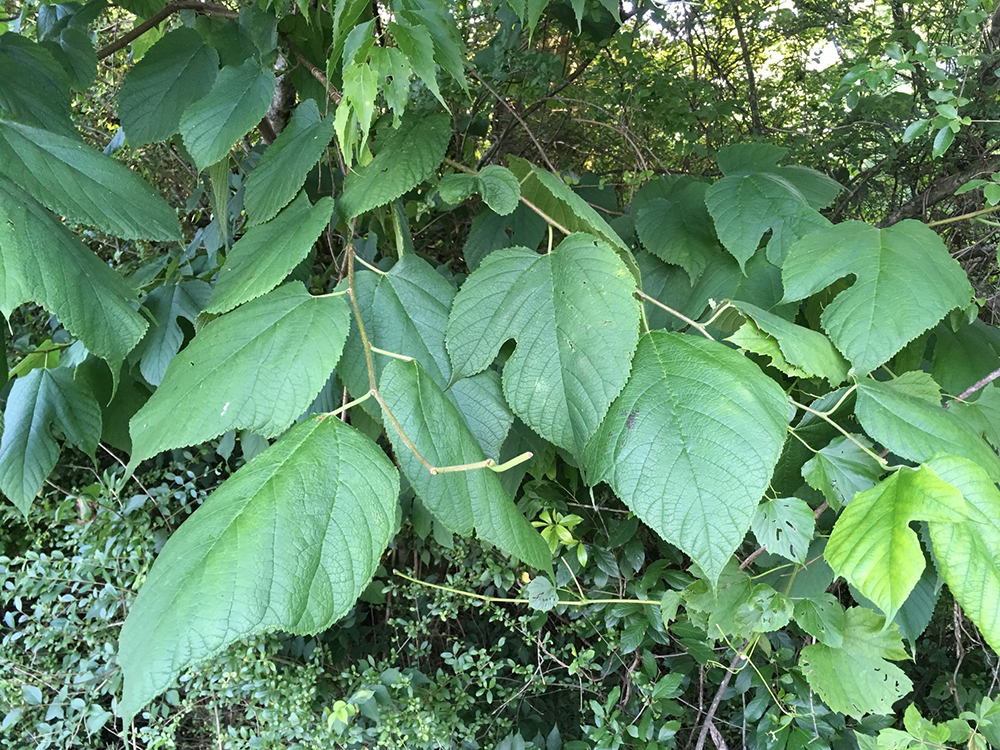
(385, 353)
(365, 343)
(963, 217)
(825, 416)
(693, 323)
(345, 407)
(504, 600)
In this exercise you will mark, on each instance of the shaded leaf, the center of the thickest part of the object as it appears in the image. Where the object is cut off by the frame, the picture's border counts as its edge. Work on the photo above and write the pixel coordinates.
(405, 158)
(841, 469)
(785, 527)
(256, 368)
(287, 543)
(34, 88)
(856, 679)
(267, 253)
(29, 450)
(673, 223)
(237, 101)
(70, 178)
(282, 170)
(822, 617)
(500, 189)
(915, 427)
(168, 304)
(691, 442)
(41, 261)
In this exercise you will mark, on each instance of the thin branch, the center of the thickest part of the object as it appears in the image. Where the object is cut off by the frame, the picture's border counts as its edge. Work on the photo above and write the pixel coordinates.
(313, 71)
(693, 323)
(548, 219)
(977, 386)
(714, 706)
(210, 9)
(963, 217)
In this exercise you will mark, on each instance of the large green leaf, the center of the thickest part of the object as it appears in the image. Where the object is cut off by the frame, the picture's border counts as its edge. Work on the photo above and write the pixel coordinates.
(807, 352)
(464, 500)
(913, 425)
(176, 71)
(168, 304)
(256, 368)
(405, 311)
(968, 551)
(42, 262)
(841, 469)
(33, 86)
(416, 43)
(746, 206)
(855, 679)
(84, 185)
(785, 526)
(236, 103)
(29, 451)
(691, 442)
(905, 282)
(552, 197)
(286, 162)
(405, 158)
(266, 254)
(872, 544)
(576, 324)
(289, 542)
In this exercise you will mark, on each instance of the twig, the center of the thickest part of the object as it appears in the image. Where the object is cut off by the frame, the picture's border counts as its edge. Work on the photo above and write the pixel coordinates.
(753, 556)
(314, 71)
(210, 9)
(714, 706)
(977, 386)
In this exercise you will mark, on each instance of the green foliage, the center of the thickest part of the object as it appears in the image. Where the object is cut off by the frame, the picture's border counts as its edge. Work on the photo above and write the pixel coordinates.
(619, 382)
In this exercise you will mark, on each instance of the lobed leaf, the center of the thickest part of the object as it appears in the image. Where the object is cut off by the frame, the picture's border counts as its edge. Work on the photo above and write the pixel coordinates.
(576, 324)
(905, 282)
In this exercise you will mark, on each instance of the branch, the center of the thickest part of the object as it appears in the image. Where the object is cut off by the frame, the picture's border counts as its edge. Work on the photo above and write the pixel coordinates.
(941, 189)
(210, 9)
(977, 386)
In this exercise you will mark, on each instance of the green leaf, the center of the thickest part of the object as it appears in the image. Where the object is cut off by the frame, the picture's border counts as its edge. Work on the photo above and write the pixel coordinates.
(542, 595)
(236, 103)
(416, 43)
(405, 158)
(841, 470)
(480, 401)
(463, 500)
(917, 428)
(34, 88)
(691, 442)
(963, 357)
(84, 185)
(74, 49)
(256, 368)
(500, 189)
(785, 527)
(668, 606)
(455, 188)
(42, 262)
(168, 304)
(968, 551)
(576, 324)
(872, 544)
(903, 274)
(28, 450)
(673, 223)
(942, 141)
(804, 350)
(282, 170)
(557, 201)
(746, 206)
(287, 543)
(449, 49)
(823, 618)
(856, 679)
(267, 253)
